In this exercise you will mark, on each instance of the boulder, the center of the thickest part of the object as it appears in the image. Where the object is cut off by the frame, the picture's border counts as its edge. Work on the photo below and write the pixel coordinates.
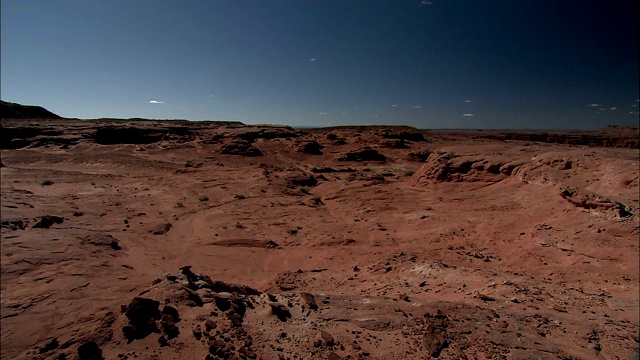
(311, 148)
(142, 314)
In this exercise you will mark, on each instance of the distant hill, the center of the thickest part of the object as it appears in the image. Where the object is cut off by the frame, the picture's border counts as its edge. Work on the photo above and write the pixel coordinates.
(10, 110)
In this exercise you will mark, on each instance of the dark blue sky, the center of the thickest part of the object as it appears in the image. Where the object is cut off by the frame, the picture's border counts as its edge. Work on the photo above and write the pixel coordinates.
(430, 64)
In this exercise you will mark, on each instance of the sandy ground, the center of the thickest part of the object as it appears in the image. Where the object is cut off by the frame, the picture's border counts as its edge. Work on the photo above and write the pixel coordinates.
(470, 248)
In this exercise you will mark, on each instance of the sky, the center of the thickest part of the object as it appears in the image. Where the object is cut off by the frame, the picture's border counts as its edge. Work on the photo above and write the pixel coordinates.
(500, 64)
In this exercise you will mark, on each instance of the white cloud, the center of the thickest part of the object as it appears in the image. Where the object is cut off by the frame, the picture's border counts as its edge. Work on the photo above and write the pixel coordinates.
(613, 108)
(425, 2)
(634, 105)
(467, 101)
(468, 115)
(595, 105)
(345, 113)
(210, 95)
(417, 107)
(322, 113)
(394, 105)
(155, 102)
(312, 60)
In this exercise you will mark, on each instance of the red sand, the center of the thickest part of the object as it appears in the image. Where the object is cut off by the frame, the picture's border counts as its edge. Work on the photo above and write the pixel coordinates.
(489, 249)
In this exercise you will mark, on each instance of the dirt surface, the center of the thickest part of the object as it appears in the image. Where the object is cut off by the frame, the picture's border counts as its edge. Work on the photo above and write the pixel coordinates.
(176, 240)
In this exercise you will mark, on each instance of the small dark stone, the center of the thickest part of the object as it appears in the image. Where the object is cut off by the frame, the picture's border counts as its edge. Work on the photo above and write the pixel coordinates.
(169, 327)
(47, 221)
(236, 319)
(171, 311)
(326, 338)
(163, 341)
(197, 333)
(129, 332)
(210, 324)
(216, 345)
(310, 300)
(280, 311)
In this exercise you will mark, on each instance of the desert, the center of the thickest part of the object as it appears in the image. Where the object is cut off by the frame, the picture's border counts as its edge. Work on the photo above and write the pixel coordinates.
(145, 239)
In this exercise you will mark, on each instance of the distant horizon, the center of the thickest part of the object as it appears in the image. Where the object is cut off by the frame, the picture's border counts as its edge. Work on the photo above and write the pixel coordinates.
(541, 64)
(337, 126)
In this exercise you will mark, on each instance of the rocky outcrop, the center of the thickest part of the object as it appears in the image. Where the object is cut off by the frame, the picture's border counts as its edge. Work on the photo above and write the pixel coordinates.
(394, 144)
(222, 326)
(364, 154)
(578, 138)
(413, 135)
(111, 135)
(449, 167)
(556, 168)
(241, 148)
(590, 200)
(267, 132)
(23, 136)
